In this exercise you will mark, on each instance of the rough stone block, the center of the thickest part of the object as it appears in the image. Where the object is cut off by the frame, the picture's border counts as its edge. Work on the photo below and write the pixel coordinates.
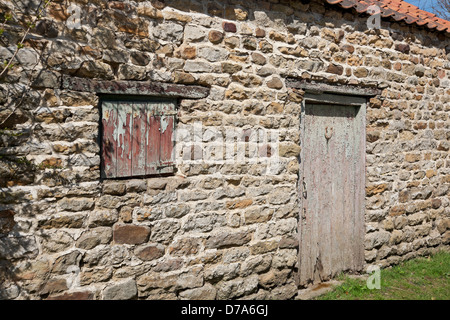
(150, 252)
(226, 239)
(121, 291)
(130, 234)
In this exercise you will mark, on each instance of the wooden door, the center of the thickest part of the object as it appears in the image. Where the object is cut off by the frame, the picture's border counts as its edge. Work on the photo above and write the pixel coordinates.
(331, 226)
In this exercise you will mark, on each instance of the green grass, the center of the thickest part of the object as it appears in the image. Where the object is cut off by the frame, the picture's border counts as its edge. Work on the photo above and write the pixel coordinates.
(426, 278)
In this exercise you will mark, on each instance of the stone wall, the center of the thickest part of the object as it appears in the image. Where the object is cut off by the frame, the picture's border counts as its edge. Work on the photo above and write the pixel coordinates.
(211, 231)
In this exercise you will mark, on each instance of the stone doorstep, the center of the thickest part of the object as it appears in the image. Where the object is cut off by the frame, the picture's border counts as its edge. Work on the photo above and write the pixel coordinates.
(319, 289)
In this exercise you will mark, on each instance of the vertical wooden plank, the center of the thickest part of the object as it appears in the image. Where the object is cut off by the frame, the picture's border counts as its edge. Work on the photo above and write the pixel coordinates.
(109, 139)
(167, 127)
(166, 130)
(138, 143)
(124, 134)
(153, 144)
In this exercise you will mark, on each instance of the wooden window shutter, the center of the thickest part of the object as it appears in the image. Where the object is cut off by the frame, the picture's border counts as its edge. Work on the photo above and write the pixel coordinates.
(137, 137)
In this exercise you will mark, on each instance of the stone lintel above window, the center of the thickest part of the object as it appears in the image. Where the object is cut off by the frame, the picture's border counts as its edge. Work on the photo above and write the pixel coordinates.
(150, 88)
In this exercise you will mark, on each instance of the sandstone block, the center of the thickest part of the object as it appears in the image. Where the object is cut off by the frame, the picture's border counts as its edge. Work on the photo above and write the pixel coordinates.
(335, 69)
(150, 252)
(236, 14)
(66, 261)
(237, 287)
(121, 291)
(360, 72)
(213, 54)
(258, 58)
(232, 42)
(227, 238)
(436, 203)
(274, 278)
(274, 83)
(256, 264)
(229, 27)
(203, 222)
(222, 272)
(139, 58)
(45, 79)
(289, 149)
(262, 247)
(114, 188)
(185, 247)
(18, 247)
(228, 67)
(288, 242)
(207, 292)
(131, 72)
(265, 46)
(163, 231)
(376, 239)
(197, 66)
(92, 238)
(397, 210)
(349, 48)
(76, 204)
(257, 215)
(249, 43)
(106, 217)
(53, 286)
(171, 31)
(187, 279)
(260, 33)
(402, 47)
(63, 221)
(239, 204)
(375, 189)
(130, 234)
(136, 185)
(95, 69)
(7, 222)
(215, 36)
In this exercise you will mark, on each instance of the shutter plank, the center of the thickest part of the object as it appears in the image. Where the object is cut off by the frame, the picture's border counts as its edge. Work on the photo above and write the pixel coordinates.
(167, 126)
(124, 132)
(152, 144)
(109, 139)
(138, 143)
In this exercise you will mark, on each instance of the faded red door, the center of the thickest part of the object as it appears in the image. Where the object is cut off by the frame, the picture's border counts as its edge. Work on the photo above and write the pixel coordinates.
(331, 225)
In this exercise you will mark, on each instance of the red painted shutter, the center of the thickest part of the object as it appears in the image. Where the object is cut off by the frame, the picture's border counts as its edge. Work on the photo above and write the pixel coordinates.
(137, 138)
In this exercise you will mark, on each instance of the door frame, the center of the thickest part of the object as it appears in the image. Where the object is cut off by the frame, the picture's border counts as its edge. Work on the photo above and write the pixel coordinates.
(360, 102)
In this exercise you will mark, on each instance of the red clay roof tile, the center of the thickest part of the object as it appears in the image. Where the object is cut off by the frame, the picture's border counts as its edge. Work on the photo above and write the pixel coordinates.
(399, 10)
